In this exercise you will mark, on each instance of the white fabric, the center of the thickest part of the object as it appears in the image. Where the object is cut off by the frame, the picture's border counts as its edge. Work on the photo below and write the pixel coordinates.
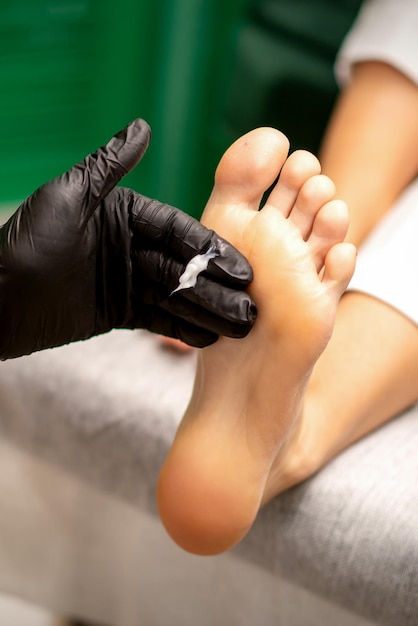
(385, 30)
(78, 551)
(387, 264)
(83, 432)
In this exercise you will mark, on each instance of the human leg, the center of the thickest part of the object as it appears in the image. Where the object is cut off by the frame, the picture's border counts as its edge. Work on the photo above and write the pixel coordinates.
(368, 372)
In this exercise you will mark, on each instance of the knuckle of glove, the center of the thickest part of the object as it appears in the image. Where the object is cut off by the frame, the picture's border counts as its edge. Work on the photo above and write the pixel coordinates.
(156, 266)
(164, 227)
(230, 265)
(168, 228)
(149, 219)
(227, 303)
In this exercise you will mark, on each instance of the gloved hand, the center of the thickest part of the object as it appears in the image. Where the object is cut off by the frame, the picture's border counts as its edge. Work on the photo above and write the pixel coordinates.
(81, 256)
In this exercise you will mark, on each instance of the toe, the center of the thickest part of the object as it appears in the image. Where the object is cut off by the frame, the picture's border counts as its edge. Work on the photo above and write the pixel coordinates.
(339, 267)
(299, 167)
(329, 227)
(314, 193)
(250, 166)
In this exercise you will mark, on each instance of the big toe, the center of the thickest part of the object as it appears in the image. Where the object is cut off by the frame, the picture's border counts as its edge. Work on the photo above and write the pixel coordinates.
(250, 166)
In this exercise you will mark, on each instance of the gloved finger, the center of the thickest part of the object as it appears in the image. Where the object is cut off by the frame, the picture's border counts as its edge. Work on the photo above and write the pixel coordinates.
(231, 320)
(224, 311)
(94, 177)
(161, 322)
(163, 227)
(226, 302)
(234, 307)
(229, 266)
(159, 266)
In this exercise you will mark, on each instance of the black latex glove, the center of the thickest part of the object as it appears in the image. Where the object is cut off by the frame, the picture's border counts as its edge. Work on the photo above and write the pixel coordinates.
(81, 256)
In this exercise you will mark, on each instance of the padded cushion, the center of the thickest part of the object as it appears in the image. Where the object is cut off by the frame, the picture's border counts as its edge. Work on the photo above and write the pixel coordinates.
(107, 409)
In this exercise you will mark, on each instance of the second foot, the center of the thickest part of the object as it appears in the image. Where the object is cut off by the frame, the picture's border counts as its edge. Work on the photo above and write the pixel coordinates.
(248, 393)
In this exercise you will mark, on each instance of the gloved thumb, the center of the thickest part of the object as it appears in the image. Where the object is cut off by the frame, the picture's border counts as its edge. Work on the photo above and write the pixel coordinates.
(98, 173)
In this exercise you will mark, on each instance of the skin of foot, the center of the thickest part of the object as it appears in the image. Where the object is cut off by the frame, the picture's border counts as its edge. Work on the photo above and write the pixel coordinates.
(248, 393)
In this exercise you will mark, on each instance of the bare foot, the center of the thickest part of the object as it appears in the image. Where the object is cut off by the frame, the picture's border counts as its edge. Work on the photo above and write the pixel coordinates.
(248, 393)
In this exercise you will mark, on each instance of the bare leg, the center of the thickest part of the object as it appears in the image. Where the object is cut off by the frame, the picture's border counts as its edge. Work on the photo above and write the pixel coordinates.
(374, 351)
(248, 395)
(370, 154)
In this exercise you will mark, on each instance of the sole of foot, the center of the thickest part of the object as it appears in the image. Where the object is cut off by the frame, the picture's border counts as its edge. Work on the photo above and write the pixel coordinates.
(248, 393)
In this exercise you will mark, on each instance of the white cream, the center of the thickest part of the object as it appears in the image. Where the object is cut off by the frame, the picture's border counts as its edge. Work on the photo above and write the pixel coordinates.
(195, 266)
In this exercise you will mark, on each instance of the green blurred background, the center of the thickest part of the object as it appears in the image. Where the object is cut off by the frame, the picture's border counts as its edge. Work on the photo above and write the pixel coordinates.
(201, 72)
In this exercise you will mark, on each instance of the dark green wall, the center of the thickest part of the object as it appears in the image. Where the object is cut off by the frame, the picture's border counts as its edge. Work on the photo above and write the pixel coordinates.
(201, 72)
